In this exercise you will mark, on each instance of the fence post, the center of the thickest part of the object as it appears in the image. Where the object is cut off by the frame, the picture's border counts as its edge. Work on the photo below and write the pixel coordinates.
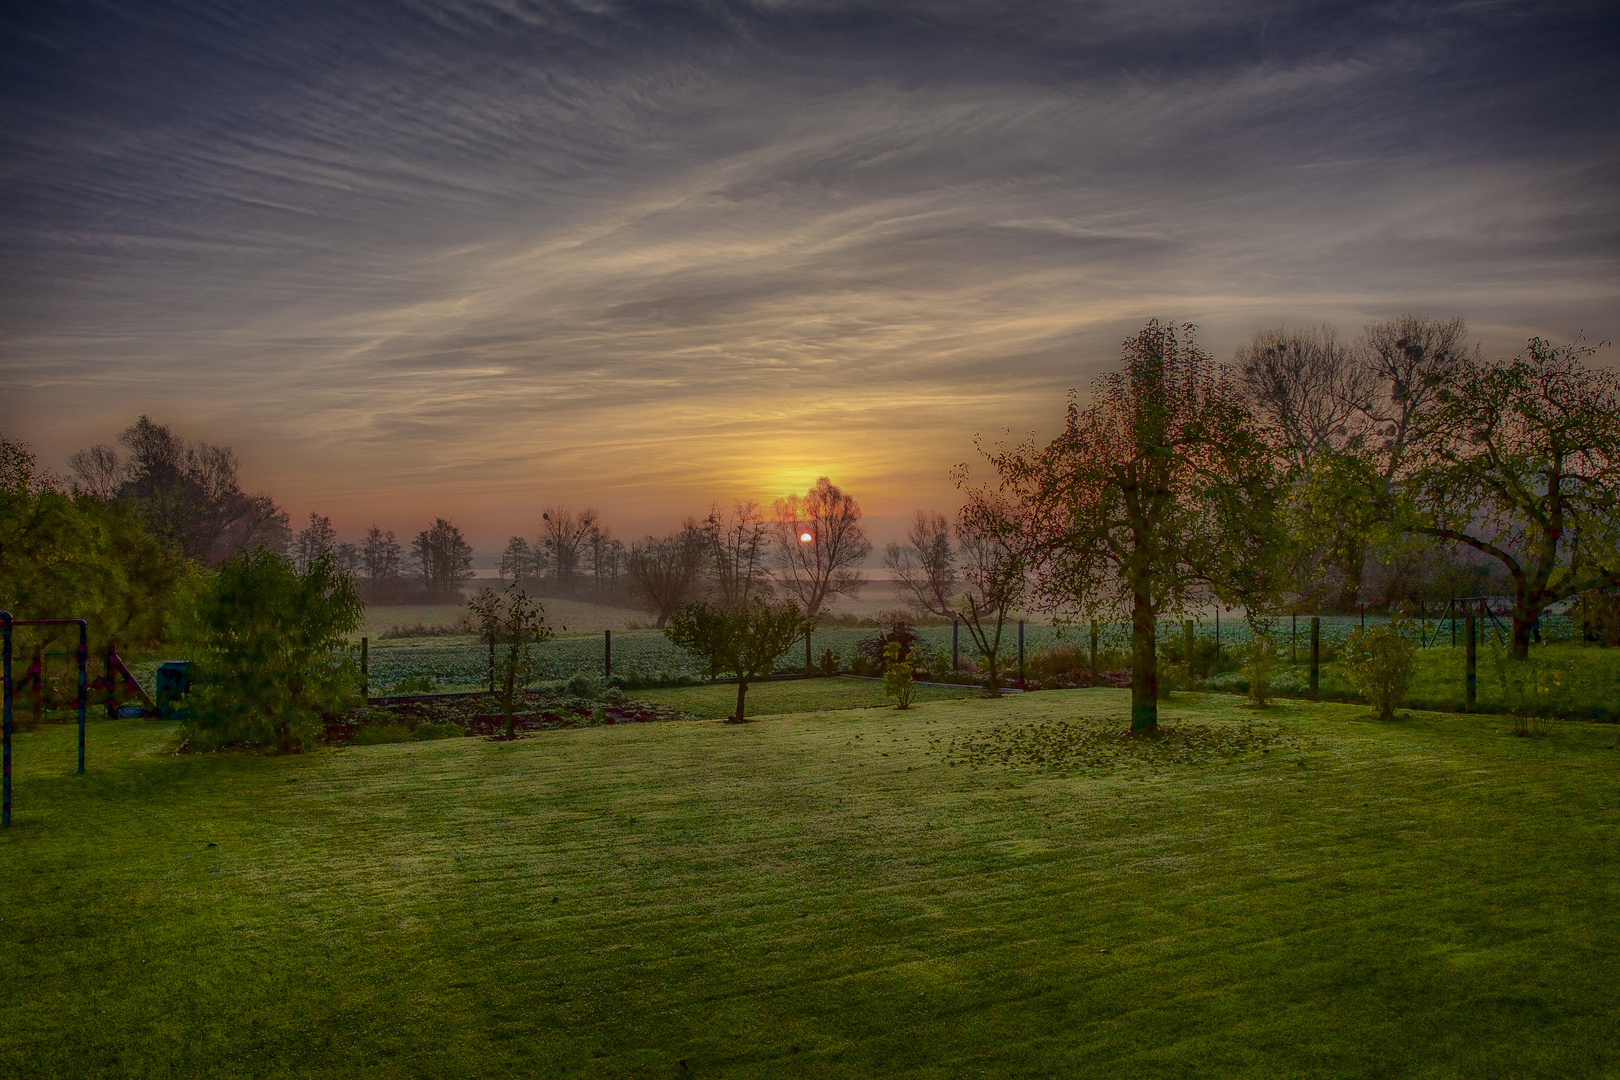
(1293, 637)
(1094, 651)
(84, 685)
(956, 627)
(1316, 655)
(1470, 657)
(492, 663)
(1187, 643)
(607, 654)
(365, 668)
(1021, 682)
(1364, 616)
(5, 716)
(1217, 637)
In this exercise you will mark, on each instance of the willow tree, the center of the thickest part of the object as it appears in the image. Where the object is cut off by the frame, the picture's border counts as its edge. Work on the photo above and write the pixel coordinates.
(1155, 497)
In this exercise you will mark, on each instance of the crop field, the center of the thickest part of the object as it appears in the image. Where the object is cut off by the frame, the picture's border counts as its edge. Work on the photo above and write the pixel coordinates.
(971, 888)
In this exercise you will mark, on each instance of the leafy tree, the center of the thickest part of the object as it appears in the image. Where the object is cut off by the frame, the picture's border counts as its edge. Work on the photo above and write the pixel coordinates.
(746, 640)
(1155, 497)
(269, 649)
(819, 543)
(667, 570)
(78, 556)
(443, 558)
(513, 623)
(1522, 464)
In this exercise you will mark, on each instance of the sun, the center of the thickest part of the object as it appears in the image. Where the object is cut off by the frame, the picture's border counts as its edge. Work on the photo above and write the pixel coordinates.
(805, 538)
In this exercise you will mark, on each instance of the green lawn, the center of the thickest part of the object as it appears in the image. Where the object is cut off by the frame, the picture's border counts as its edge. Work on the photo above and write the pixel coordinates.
(790, 696)
(821, 896)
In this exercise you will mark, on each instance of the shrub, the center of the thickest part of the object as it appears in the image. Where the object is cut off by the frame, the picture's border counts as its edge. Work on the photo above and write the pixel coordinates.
(897, 675)
(1378, 662)
(829, 662)
(269, 651)
(1532, 690)
(429, 731)
(1057, 660)
(586, 685)
(377, 734)
(420, 684)
(1259, 664)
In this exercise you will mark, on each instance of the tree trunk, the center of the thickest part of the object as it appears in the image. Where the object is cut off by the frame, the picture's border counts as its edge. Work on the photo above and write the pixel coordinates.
(1144, 666)
(1350, 587)
(742, 692)
(1523, 621)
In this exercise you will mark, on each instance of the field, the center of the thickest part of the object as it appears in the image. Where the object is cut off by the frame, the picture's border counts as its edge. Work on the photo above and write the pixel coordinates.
(1297, 892)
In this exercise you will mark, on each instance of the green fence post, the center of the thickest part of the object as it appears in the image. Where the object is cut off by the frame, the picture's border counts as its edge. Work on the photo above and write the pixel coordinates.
(1094, 651)
(365, 668)
(1187, 643)
(607, 654)
(956, 626)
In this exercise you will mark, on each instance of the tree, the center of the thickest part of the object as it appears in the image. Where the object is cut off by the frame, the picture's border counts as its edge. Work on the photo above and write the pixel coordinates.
(1307, 388)
(518, 561)
(270, 653)
(313, 540)
(819, 542)
(189, 495)
(925, 565)
(381, 560)
(1522, 464)
(443, 558)
(563, 535)
(747, 639)
(666, 570)
(99, 471)
(1156, 496)
(511, 622)
(737, 543)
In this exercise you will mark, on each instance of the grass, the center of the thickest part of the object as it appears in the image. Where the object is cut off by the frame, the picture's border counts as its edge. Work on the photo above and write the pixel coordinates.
(819, 895)
(774, 698)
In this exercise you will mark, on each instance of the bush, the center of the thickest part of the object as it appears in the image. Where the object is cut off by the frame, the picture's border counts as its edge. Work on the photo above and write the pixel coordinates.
(429, 731)
(1378, 662)
(897, 672)
(377, 734)
(585, 686)
(269, 651)
(1532, 690)
(1259, 664)
(421, 684)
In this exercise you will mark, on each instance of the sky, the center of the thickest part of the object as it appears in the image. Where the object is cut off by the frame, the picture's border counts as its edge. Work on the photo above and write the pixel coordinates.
(473, 259)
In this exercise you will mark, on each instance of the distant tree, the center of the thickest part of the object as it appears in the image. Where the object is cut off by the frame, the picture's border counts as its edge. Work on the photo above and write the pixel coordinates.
(381, 560)
(925, 565)
(314, 540)
(738, 543)
(746, 639)
(270, 653)
(1522, 463)
(819, 543)
(1307, 387)
(443, 558)
(517, 561)
(513, 623)
(99, 471)
(189, 495)
(667, 571)
(347, 557)
(1155, 497)
(606, 557)
(992, 572)
(563, 536)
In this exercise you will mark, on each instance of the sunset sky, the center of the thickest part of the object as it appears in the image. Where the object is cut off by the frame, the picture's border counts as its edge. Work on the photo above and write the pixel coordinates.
(472, 259)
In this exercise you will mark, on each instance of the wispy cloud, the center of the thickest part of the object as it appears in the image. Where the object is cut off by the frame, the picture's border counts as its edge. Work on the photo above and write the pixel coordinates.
(472, 257)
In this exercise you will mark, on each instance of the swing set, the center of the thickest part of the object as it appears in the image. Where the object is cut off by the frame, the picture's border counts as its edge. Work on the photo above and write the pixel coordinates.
(1460, 607)
(115, 680)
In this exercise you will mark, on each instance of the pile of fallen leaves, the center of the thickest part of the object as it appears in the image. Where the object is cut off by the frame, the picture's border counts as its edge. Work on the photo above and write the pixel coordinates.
(1059, 744)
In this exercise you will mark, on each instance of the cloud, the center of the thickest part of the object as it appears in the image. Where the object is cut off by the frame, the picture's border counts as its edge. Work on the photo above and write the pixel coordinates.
(478, 256)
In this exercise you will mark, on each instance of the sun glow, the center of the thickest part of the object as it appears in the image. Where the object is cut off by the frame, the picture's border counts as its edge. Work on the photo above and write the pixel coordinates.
(805, 538)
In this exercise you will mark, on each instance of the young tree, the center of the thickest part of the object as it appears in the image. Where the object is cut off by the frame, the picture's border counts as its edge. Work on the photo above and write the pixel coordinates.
(737, 543)
(1155, 497)
(819, 543)
(443, 558)
(270, 650)
(1522, 463)
(747, 639)
(667, 570)
(993, 573)
(513, 623)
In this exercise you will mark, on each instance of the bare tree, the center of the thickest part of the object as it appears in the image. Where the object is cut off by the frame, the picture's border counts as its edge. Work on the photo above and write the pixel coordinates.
(993, 573)
(1414, 361)
(381, 559)
(563, 534)
(738, 543)
(667, 570)
(819, 542)
(925, 565)
(518, 562)
(99, 471)
(1307, 387)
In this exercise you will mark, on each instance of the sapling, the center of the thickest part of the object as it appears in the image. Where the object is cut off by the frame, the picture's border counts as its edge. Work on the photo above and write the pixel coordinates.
(512, 621)
(897, 676)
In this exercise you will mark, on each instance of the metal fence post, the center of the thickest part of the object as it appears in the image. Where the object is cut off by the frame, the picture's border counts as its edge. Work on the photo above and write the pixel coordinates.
(365, 667)
(1217, 637)
(956, 628)
(84, 684)
(5, 717)
(1316, 655)
(1021, 653)
(1093, 650)
(1293, 637)
(1187, 642)
(607, 654)
(1470, 658)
